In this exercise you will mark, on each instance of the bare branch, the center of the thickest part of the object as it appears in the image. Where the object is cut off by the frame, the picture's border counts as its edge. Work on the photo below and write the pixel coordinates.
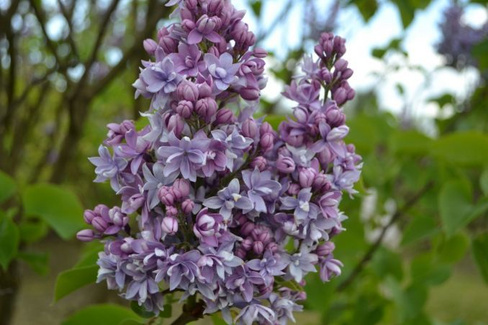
(67, 16)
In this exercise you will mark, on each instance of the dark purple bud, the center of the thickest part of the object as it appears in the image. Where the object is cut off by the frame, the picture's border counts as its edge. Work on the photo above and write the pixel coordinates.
(340, 96)
(191, 4)
(169, 225)
(184, 108)
(188, 24)
(188, 91)
(325, 75)
(166, 196)
(265, 290)
(273, 247)
(150, 46)
(168, 44)
(247, 228)
(171, 211)
(301, 296)
(206, 108)
(240, 219)
(225, 116)
(99, 224)
(187, 206)
(250, 128)
(267, 141)
(215, 6)
(346, 74)
(89, 215)
(340, 65)
(249, 93)
(335, 117)
(295, 140)
(325, 249)
(247, 244)
(283, 151)
(266, 128)
(176, 124)
(306, 177)
(285, 164)
(186, 13)
(206, 25)
(204, 90)
(259, 162)
(326, 156)
(241, 253)
(181, 188)
(118, 218)
(214, 50)
(260, 53)
(85, 235)
(321, 183)
(294, 189)
(258, 247)
(265, 237)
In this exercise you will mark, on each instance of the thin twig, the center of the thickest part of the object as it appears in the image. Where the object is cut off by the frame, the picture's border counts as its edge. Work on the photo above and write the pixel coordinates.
(372, 249)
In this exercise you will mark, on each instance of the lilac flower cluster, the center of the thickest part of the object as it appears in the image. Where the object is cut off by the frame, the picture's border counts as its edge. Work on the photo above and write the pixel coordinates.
(458, 38)
(215, 203)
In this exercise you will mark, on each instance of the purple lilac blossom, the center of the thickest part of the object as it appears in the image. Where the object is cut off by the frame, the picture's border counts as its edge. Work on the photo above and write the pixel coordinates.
(210, 195)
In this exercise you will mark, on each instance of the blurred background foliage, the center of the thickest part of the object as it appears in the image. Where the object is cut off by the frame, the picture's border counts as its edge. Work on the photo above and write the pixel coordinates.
(416, 246)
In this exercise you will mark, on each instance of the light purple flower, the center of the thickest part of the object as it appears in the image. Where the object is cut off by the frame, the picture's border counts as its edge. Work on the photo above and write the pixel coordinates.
(186, 155)
(259, 186)
(181, 269)
(255, 313)
(228, 199)
(207, 227)
(187, 61)
(303, 208)
(108, 167)
(222, 69)
(270, 266)
(301, 263)
(204, 28)
(242, 282)
(330, 267)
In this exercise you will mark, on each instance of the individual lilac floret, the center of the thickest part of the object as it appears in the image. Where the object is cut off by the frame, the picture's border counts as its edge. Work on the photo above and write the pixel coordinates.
(185, 155)
(222, 69)
(108, 167)
(204, 28)
(181, 269)
(228, 199)
(159, 79)
(270, 266)
(301, 263)
(301, 205)
(255, 313)
(259, 186)
(187, 61)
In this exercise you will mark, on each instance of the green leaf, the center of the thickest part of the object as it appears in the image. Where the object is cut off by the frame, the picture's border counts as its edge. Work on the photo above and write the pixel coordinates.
(424, 270)
(455, 205)
(419, 228)
(484, 182)
(104, 314)
(256, 7)
(367, 8)
(410, 142)
(71, 280)
(32, 230)
(453, 249)
(140, 310)
(167, 312)
(480, 253)
(275, 120)
(7, 186)
(59, 207)
(462, 148)
(217, 319)
(9, 241)
(386, 263)
(39, 262)
(406, 10)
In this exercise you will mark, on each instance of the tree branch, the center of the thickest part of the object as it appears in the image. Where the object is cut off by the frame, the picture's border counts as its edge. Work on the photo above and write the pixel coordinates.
(374, 247)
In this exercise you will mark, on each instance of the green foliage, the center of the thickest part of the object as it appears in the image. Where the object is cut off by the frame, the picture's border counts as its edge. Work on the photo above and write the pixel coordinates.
(104, 314)
(9, 240)
(71, 280)
(468, 148)
(7, 186)
(56, 206)
(480, 253)
(39, 262)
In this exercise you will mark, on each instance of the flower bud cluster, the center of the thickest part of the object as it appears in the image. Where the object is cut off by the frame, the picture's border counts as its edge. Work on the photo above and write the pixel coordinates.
(221, 205)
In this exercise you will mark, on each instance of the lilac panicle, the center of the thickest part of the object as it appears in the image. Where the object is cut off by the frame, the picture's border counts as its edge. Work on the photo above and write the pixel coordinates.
(210, 196)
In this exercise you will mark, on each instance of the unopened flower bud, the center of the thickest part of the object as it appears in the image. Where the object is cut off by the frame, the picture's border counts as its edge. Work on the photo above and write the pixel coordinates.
(89, 215)
(206, 108)
(247, 244)
(260, 53)
(321, 183)
(249, 128)
(259, 163)
(169, 225)
(247, 228)
(249, 93)
(241, 253)
(99, 224)
(306, 177)
(294, 189)
(325, 249)
(285, 165)
(171, 211)
(85, 235)
(184, 108)
(187, 206)
(150, 46)
(225, 116)
(258, 247)
(176, 124)
(187, 90)
(265, 237)
(273, 247)
(166, 196)
(181, 188)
